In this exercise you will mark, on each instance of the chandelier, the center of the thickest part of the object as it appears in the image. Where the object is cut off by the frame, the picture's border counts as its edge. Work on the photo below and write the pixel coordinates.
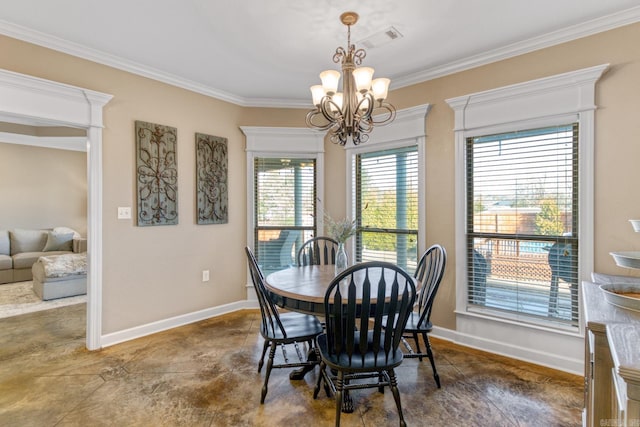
(352, 113)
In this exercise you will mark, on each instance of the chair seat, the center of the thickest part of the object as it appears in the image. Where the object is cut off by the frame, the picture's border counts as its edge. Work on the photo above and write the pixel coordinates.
(370, 361)
(414, 325)
(299, 327)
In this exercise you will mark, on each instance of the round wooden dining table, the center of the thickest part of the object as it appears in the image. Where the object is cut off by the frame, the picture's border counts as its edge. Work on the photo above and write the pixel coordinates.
(300, 289)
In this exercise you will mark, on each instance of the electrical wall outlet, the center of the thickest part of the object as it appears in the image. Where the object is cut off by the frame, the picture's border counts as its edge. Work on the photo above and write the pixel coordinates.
(205, 275)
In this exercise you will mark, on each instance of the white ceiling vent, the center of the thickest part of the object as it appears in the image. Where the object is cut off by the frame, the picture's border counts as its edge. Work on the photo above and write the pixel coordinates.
(381, 38)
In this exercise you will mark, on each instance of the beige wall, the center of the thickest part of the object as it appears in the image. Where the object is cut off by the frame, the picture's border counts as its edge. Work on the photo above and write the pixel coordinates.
(42, 188)
(42, 131)
(152, 273)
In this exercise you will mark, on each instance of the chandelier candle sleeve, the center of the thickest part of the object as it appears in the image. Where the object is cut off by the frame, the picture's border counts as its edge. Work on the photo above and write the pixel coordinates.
(352, 113)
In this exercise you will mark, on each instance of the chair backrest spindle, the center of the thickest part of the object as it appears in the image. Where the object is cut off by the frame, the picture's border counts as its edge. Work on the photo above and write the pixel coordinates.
(319, 250)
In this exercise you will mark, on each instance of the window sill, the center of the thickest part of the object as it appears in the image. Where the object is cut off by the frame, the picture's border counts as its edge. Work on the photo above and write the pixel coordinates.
(521, 322)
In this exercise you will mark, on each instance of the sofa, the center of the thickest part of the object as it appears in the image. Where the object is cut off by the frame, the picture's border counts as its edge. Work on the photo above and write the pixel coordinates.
(21, 248)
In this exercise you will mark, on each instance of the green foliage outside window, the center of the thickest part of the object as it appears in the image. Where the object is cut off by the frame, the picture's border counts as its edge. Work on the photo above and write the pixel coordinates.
(548, 220)
(377, 215)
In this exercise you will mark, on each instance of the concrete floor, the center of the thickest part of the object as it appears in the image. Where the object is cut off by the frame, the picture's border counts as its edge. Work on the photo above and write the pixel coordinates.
(205, 374)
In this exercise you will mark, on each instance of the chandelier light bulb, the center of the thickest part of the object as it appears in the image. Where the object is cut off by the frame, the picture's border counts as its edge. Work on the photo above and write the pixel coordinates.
(380, 88)
(330, 79)
(317, 93)
(362, 76)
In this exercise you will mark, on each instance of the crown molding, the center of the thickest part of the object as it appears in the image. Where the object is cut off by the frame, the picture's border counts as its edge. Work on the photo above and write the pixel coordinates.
(594, 26)
(575, 32)
(61, 45)
(94, 55)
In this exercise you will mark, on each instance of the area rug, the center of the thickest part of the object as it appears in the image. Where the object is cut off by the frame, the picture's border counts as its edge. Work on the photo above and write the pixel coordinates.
(19, 298)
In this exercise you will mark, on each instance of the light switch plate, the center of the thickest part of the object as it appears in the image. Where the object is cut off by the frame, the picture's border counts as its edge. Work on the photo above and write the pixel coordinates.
(124, 213)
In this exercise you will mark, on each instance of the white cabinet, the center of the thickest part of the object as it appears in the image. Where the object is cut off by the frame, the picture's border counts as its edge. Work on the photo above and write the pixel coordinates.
(612, 362)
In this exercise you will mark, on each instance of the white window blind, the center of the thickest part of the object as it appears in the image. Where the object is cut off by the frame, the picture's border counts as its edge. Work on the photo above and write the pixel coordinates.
(522, 223)
(285, 195)
(386, 205)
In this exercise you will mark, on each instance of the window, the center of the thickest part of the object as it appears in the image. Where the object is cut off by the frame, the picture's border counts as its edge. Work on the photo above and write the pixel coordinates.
(522, 223)
(385, 191)
(285, 195)
(285, 177)
(386, 203)
(555, 116)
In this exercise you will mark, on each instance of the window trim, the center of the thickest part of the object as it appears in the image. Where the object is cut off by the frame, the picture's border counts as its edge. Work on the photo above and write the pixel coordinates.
(287, 142)
(543, 102)
(408, 129)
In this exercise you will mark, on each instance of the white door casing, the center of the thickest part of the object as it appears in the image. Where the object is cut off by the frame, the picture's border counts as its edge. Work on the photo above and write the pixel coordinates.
(34, 101)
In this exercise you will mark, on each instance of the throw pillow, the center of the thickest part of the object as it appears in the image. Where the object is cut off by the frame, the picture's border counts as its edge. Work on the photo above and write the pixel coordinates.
(64, 230)
(27, 240)
(5, 247)
(58, 242)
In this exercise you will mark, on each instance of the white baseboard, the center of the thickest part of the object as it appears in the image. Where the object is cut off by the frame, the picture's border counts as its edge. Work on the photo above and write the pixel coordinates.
(554, 361)
(566, 364)
(174, 322)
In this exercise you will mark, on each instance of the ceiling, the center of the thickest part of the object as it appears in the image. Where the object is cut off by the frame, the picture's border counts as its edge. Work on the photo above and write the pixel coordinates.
(268, 53)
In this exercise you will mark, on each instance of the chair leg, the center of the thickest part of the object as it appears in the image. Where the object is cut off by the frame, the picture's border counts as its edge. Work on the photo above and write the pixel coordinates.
(427, 343)
(393, 385)
(339, 386)
(264, 351)
(272, 354)
(417, 340)
(320, 380)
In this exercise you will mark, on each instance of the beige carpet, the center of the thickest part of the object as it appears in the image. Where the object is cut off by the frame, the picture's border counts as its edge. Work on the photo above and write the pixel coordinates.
(19, 298)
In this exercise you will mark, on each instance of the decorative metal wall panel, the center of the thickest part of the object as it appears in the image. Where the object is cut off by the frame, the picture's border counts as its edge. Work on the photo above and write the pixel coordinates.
(157, 174)
(211, 179)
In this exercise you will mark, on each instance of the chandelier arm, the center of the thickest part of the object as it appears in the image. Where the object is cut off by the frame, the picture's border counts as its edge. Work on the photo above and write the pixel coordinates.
(338, 133)
(311, 115)
(387, 117)
(365, 126)
(370, 102)
(330, 110)
(358, 56)
(338, 137)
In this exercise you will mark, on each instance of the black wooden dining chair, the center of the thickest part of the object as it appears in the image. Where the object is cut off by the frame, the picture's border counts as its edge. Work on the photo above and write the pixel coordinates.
(429, 275)
(563, 265)
(281, 329)
(318, 251)
(362, 336)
